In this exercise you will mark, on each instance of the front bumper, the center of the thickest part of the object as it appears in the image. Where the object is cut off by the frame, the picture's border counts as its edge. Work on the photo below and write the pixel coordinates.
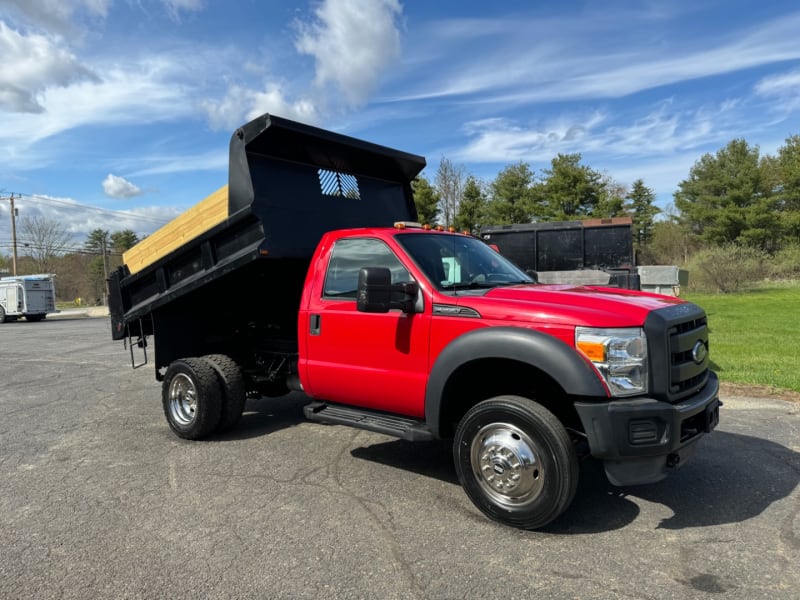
(641, 440)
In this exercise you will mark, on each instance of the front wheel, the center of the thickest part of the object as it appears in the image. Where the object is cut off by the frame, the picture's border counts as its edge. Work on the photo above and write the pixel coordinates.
(192, 398)
(2, 315)
(515, 461)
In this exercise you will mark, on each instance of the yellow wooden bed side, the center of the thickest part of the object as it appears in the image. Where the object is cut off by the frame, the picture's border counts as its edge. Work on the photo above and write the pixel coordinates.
(186, 226)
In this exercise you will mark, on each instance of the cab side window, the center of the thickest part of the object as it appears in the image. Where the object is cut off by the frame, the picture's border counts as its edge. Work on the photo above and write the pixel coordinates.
(349, 256)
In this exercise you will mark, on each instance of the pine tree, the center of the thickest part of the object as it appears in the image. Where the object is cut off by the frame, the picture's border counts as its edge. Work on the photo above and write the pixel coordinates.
(471, 208)
(426, 200)
(512, 196)
(640, 206)
(569, 189)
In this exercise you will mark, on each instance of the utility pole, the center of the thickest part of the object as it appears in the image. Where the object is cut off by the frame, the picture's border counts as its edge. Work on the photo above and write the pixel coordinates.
(13, 234)
(105, 273)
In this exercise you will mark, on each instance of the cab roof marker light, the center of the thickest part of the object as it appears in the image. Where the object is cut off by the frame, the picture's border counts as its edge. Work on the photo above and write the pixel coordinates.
(405, 224)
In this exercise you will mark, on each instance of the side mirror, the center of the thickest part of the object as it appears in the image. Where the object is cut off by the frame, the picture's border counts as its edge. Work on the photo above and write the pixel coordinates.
(377, 293)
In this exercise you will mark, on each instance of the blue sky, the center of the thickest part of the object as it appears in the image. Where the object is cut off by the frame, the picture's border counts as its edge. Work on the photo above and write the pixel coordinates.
(117, 113)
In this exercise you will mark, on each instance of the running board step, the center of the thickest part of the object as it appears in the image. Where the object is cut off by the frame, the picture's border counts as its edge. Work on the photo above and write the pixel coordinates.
(412, 430)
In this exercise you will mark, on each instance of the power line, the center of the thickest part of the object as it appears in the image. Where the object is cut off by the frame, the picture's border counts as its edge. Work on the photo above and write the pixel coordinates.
(108, 211)
(65, 249)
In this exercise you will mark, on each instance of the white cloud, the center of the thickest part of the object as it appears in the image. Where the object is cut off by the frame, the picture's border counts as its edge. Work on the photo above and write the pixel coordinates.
(175, 7)
(664, 130)
(242, 104)
(516, 62)
(216, 160)
(780, 84)
(119, 187)
(135, 93)
(55, 16)
(785, 88)
(502, 140)
(33, 64)
(352, 42)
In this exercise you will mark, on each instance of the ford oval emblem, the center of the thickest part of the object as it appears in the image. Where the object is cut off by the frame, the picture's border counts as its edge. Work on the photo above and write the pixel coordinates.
(699, 352)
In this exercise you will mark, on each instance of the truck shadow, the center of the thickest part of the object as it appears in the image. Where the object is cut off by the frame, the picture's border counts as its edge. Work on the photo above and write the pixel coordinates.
(730, 479)
(431, 459)
(265, 415)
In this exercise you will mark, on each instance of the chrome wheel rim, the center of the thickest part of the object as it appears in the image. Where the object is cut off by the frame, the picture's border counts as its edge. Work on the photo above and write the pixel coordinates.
(506, 464)
(182, 399)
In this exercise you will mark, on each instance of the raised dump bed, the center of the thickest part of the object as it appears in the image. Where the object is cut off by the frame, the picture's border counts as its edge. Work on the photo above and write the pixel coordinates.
(238, 259)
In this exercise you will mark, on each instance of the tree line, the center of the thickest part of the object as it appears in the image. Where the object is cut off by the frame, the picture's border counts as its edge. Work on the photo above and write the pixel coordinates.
(567, 190)
(81, 270)
(736, 196)
(736, 205)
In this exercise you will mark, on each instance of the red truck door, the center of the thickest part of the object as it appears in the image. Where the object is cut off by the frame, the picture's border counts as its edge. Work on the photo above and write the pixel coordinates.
(374, 360)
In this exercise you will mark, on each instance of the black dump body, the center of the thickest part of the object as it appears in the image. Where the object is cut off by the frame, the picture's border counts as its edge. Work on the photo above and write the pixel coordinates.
(288, 184)
(601, 244)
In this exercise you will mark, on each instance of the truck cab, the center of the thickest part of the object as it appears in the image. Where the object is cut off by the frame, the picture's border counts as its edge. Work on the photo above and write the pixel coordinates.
(383, 328)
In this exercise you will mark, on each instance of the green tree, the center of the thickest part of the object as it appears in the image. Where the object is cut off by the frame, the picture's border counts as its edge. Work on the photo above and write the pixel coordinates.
(471, 208)
(725, 200)
(511, 196)
(640, 206)
(570, 190)
(789, 168)
(788, 193)
(612, 199)
(122, 241)
(426, 200)
(97, 242)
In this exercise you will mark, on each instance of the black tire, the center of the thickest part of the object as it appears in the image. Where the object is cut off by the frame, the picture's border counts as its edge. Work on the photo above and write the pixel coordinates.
(2, 315)
(36, 317)
(234, 391)
(192, 398)
(515, 461)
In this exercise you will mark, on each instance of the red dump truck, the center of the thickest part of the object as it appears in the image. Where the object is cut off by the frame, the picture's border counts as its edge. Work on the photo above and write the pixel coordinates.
(317, 279)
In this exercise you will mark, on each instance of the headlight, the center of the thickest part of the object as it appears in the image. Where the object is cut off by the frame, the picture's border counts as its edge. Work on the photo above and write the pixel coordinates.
(619, 354)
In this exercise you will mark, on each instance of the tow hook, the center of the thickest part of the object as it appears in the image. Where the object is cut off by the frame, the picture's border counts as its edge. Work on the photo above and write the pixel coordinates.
(673, 460)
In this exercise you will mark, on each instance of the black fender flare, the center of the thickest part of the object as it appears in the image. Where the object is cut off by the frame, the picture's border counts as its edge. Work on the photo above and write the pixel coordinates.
(545, 352)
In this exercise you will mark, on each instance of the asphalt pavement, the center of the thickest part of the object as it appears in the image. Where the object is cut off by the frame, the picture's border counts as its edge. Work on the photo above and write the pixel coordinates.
(98, 499)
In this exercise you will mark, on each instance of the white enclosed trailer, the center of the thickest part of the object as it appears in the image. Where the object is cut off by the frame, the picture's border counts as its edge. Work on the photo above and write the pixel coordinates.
(29, 296)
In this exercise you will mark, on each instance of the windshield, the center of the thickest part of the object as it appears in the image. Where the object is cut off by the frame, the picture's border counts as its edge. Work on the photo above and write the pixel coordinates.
(460, 262)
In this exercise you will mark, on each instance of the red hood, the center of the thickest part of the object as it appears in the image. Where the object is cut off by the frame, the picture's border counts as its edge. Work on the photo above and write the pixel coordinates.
(568, 305)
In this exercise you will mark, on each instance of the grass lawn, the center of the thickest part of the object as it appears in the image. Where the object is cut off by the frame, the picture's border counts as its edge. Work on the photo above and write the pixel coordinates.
(755, 336)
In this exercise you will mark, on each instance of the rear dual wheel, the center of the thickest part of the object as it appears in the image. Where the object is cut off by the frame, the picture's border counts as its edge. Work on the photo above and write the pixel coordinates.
(202, 395)
(515, 461)
(234, 392)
